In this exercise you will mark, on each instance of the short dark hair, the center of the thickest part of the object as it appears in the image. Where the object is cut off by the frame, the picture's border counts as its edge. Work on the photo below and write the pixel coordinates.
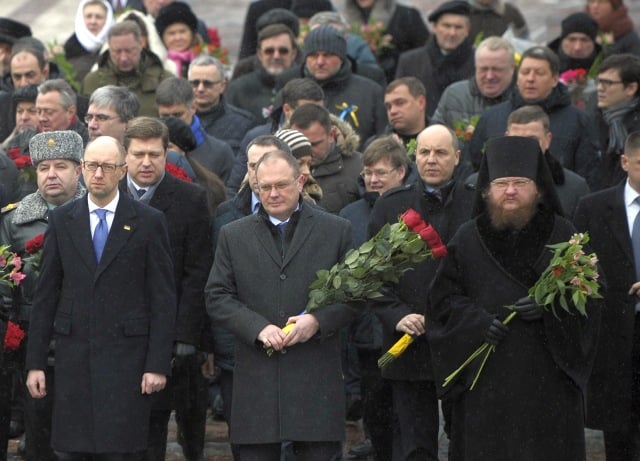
(308, 114)
(267, 140)
(30, 45)
(386, 147)
(632, 144)
(528, 114)
(544, 53)
(146, 128)
(273, 30)
(284, 155)
(174, 90)
(119, 98)
(415, 86)
(301, 88)
(627, 65)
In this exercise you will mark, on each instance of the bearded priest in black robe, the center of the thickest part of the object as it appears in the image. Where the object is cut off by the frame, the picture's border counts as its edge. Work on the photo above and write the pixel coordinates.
(528, 401)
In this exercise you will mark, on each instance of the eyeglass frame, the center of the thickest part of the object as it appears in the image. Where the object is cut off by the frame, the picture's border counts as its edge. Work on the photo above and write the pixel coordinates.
(378, 173)
(280, 186)
(107, 167)
(606, 83)
(282, 50)
(503, 184)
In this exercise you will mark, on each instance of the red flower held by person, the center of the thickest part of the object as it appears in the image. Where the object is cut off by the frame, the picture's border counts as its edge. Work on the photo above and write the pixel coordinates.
(178, 172)
(35, 244)
(414, 221)
(13, 337)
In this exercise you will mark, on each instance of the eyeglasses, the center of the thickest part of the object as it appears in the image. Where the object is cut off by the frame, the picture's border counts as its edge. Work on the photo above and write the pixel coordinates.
(282, 51)
(380, 173)
(606, 83)
(208, 84)
(100, 118)
(503, 184)
(267, 188)
(106, 167)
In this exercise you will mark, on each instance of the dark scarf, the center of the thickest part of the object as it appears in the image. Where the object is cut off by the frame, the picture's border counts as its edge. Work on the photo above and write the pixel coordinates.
(617, 131)
(448, 65)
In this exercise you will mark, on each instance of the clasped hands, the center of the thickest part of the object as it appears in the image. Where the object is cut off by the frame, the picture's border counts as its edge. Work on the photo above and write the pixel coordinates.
(306, 326)
(526, 308)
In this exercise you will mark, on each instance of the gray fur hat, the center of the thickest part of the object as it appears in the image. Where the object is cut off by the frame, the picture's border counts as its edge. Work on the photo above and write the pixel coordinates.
(54, 145)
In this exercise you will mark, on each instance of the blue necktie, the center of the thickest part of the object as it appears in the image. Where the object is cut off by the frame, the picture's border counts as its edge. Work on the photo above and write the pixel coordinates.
(282, 227)
(101, 233)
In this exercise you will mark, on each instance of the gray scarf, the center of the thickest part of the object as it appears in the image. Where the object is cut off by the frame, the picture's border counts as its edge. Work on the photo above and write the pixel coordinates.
(617, 130)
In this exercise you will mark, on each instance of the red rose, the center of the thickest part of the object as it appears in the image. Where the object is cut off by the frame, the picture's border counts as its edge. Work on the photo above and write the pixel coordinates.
(430, 235)
(411, 218)
(35, 244)
(439, 252)
(13, 337)
(22, 161)
(14, 153)
(214, 38)
(178, 172)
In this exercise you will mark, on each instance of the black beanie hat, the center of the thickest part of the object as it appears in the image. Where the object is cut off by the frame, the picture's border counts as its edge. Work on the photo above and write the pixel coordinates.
(180, 133)
(328, 39)
(459, 7)
(174, 13)
(279, 16)
(307, 8)
(580, 22)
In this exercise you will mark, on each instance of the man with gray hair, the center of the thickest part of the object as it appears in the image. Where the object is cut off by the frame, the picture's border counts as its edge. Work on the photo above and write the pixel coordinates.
(56, 106)
(218, 118)
(491, 84)
(110, 109)
(56, 157)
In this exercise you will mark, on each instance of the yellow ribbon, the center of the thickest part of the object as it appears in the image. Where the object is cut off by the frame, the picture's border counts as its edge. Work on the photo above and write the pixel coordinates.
(350, 110)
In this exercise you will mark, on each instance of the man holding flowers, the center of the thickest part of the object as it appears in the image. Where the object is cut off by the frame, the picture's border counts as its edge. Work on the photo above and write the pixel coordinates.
(444, 203)
(259, 282)
(529, 395)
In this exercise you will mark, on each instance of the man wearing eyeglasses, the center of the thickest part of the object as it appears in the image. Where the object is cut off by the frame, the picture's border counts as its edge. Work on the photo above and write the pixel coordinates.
(219, 118)
(110, 109)
(445, 204)
(107, 295)
(56, 158)
(259, 282)
(255, 92)
(618, 114)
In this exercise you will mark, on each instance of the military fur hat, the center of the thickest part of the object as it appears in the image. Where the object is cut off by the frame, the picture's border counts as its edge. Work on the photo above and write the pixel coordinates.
(176, 12)
(56, 145)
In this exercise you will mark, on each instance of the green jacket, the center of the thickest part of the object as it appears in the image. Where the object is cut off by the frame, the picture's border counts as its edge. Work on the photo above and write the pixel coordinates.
(142, 82)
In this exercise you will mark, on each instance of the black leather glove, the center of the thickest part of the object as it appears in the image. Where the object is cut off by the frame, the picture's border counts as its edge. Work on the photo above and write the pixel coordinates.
(497, 332)
(528, 310)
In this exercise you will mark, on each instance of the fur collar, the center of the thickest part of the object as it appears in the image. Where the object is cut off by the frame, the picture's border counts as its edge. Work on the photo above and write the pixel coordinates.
(381, 11)
(34, 208)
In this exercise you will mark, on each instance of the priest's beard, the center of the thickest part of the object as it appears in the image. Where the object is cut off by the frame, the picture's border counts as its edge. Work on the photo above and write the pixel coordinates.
(516, 219)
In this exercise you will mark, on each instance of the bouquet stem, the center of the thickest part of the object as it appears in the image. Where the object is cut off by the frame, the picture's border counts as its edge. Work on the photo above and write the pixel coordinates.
(396, 351)
(485, 349)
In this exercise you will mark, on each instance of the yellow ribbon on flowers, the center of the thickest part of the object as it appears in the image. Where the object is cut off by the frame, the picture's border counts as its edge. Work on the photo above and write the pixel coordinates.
(348, 110)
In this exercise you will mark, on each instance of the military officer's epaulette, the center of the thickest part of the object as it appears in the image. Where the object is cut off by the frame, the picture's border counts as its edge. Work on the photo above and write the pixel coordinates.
(11, 206)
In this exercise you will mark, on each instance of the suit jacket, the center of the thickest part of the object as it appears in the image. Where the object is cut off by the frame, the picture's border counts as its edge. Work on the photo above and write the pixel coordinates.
(112, 321)
(185, 208)
(297, 395)
(604, 216)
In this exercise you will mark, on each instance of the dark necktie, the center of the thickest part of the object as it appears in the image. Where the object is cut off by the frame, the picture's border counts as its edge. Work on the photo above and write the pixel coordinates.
(282, 227)
(635, 241)
(140, 192)
(101, 233)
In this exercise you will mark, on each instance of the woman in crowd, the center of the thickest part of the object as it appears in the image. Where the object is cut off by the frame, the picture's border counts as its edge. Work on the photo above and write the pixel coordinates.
(178, 29)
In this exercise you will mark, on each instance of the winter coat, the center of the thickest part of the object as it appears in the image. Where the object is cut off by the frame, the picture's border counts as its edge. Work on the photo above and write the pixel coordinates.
(142, 82)
(227, 123)
(496, 19)
(612, 171)
(574, 141)
(435, 70)
(81, 59)
(254, 92)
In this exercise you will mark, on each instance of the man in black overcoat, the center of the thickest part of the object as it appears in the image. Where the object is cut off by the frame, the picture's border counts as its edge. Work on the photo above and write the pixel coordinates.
(106, 294)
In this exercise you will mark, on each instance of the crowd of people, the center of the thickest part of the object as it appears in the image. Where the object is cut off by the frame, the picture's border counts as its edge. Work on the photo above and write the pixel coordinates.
(184, 208)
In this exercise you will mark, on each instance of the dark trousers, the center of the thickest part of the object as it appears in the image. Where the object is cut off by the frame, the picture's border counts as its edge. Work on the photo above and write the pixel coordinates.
(6, 384)
(304, 451)
(65, 456)
(625, 445)
(187, 392)
(226, 391)
(416, 421)
(377, 403)
(37, 420)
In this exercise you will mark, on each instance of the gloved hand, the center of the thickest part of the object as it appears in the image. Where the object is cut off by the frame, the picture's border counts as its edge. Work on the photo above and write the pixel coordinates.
(497, 332)
(183, 349)
(528, 310)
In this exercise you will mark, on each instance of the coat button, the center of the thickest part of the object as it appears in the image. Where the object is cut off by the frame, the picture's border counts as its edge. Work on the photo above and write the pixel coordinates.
(283, 276)
(281, 313)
